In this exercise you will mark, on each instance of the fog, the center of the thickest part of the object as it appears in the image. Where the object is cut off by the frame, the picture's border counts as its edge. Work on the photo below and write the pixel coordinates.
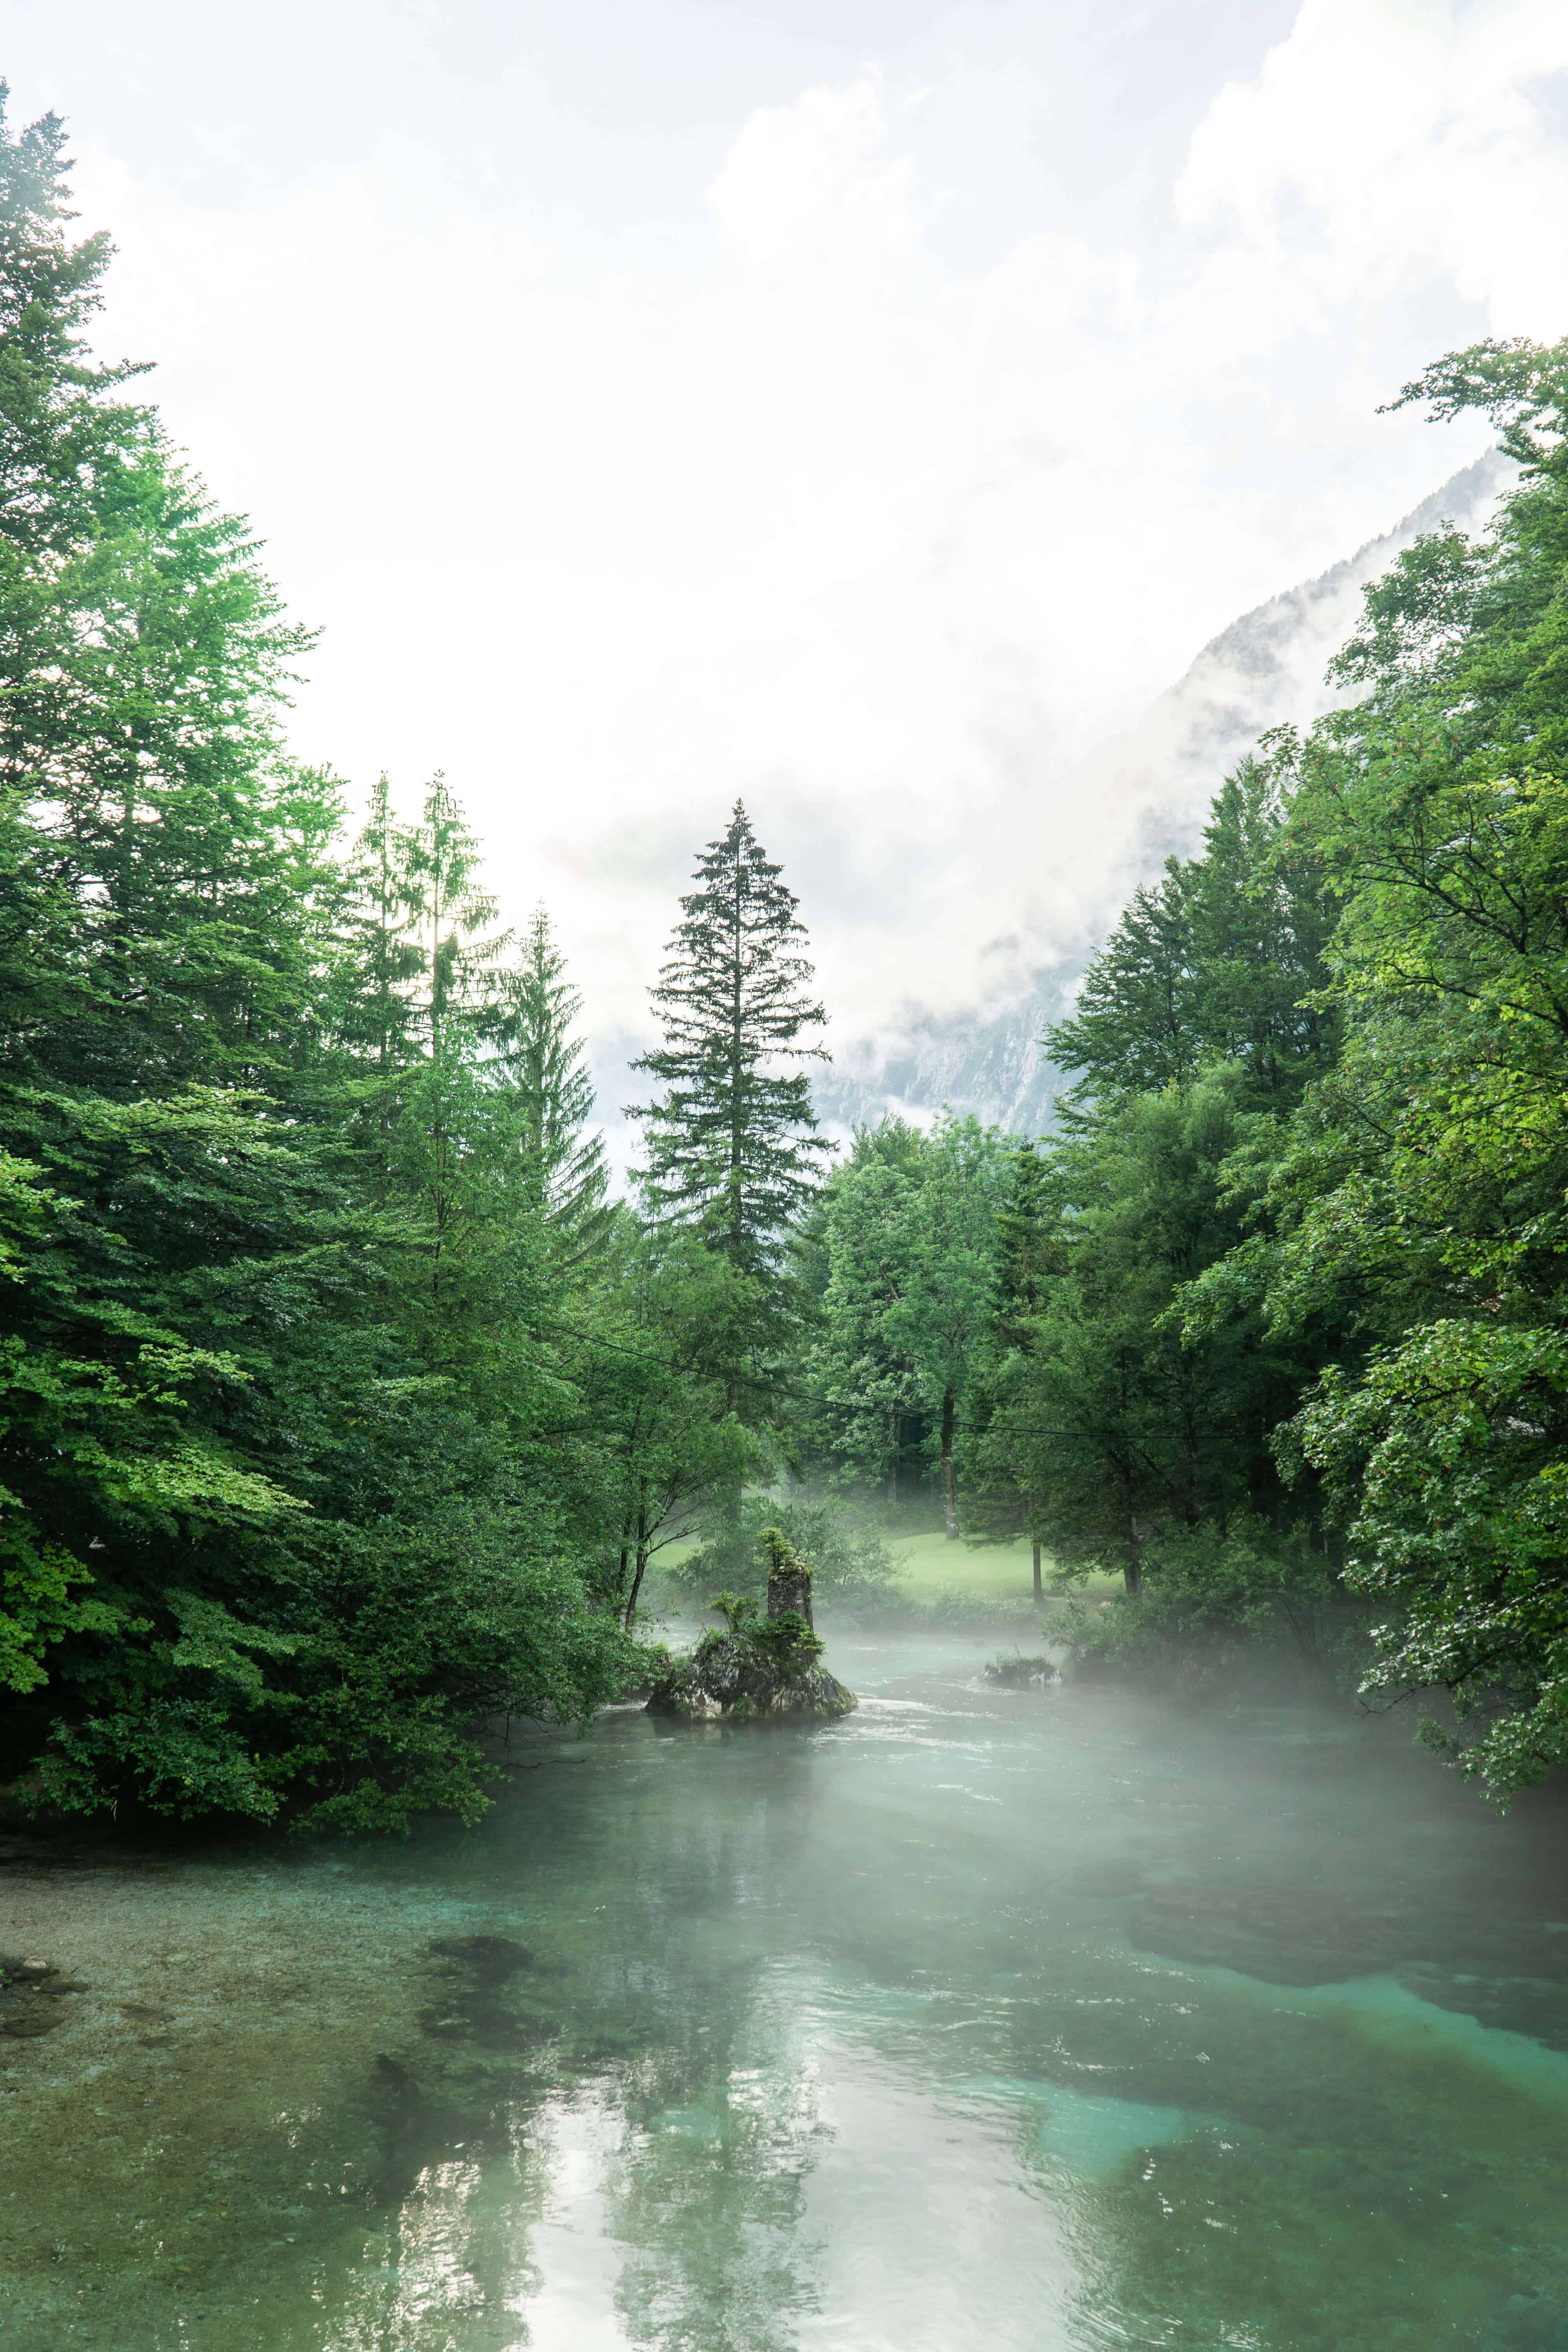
(1051, 2017)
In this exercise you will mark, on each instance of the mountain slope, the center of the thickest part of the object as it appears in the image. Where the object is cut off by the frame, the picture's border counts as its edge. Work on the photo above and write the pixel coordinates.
(1155, 784)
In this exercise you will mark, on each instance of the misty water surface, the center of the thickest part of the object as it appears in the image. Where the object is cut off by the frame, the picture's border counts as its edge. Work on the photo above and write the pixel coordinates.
(1060, 2019)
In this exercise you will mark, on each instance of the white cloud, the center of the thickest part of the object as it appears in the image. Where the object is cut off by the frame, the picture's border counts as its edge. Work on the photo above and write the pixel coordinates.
(1384, 145)
(815, 515)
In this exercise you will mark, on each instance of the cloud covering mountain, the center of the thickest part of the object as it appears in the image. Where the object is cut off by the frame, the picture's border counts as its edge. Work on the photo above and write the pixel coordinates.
(1154, 786)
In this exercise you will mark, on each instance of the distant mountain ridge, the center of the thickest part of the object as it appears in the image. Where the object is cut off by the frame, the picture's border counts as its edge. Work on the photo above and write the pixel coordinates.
(1156, 783)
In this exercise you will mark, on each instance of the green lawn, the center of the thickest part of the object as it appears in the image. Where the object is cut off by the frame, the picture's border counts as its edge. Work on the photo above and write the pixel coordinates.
(930, 1564)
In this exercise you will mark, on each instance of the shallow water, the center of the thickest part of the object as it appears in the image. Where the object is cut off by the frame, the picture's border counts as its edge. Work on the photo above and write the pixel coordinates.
(986, 2018)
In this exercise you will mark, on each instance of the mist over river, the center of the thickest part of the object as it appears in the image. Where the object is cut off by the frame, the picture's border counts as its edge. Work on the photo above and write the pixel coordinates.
(1034, 2018)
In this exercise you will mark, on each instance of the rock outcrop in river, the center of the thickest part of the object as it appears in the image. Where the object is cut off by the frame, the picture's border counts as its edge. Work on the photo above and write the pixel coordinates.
(760, 1668)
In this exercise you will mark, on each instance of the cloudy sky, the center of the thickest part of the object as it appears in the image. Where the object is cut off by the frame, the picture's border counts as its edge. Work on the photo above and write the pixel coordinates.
(861, 405)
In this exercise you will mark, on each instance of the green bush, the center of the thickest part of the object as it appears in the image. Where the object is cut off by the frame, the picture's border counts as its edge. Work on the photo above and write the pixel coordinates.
(846, 1562)
(786, 1640)
(1208, 1595)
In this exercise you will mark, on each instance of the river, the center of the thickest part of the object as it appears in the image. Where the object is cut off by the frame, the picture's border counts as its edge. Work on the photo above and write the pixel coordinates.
(1031, 2018)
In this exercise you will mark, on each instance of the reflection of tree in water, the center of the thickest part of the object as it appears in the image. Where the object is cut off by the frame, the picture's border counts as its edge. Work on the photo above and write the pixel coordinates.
(454, 2162)
(708, 2189)
(709, 2136)
(460, 2173)
(639, 2050)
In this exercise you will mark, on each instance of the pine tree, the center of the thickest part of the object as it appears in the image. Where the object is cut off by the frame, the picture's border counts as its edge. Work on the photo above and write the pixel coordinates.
(451, 911)
(380, 957)
(59, 431)
(565, 1176)
(730, 1142)
(1222, 959)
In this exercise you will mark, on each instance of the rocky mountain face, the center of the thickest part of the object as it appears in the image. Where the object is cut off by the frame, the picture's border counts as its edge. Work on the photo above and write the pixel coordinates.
(1154, 783)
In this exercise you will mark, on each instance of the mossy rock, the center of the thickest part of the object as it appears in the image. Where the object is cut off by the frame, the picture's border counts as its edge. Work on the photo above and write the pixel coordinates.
(736, 1678)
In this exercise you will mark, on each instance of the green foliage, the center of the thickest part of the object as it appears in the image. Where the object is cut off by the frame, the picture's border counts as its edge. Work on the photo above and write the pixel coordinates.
(777, 1551)
(1121, 1424)
(736, 1608)
(908, 1234)
(1412, 1221)
(1016, 1671)
(653, 1425)
(732, 1142)
(563, 1161)
(1219, 962)
(1297, 1333)
(342, 1413)
(848, 1561)
(1213, 1591)
(786, 1640)
(288, 1338)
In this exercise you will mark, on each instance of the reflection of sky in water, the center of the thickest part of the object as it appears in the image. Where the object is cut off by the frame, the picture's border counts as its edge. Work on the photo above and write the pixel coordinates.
(1052, 2021)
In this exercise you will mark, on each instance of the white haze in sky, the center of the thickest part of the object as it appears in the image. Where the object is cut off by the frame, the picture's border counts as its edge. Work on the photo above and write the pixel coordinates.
(861, 407)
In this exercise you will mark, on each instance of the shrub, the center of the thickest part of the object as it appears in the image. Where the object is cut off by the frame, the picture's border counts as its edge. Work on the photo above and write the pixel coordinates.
(846, 1562)
(1209, 1594)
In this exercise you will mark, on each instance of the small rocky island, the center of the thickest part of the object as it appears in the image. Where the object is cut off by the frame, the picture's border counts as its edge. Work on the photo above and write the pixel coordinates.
(758, 1668)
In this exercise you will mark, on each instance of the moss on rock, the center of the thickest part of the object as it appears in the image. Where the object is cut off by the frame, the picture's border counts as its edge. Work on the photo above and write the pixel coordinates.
(759, 1668)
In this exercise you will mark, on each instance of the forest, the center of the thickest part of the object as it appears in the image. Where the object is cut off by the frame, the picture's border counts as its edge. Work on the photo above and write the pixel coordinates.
(348, 1410)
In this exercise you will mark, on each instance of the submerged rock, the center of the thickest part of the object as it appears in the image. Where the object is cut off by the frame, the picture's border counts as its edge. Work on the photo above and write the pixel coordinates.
(30, 1996)
(1017, 1672)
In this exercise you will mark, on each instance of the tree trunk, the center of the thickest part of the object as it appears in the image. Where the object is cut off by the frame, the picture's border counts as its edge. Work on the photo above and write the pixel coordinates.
(949, 1490)
(641, 1566)
(737, 1032)
(1039, 1588)
(1132, 1560)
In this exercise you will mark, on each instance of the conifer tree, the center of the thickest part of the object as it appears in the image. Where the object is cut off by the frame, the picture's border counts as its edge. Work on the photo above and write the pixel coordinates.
(60, 431)
(1025, 1247)
(382, 957)
(451, 910)
(731, 1141)
(565, 1173)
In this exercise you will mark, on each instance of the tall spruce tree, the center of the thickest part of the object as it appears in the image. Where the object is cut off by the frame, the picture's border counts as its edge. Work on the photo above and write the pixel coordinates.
(382, 956)
(731, 1142)
(565, 1173)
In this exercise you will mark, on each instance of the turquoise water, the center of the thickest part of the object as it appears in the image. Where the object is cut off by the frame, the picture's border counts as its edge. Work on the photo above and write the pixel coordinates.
(1010, 2019)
